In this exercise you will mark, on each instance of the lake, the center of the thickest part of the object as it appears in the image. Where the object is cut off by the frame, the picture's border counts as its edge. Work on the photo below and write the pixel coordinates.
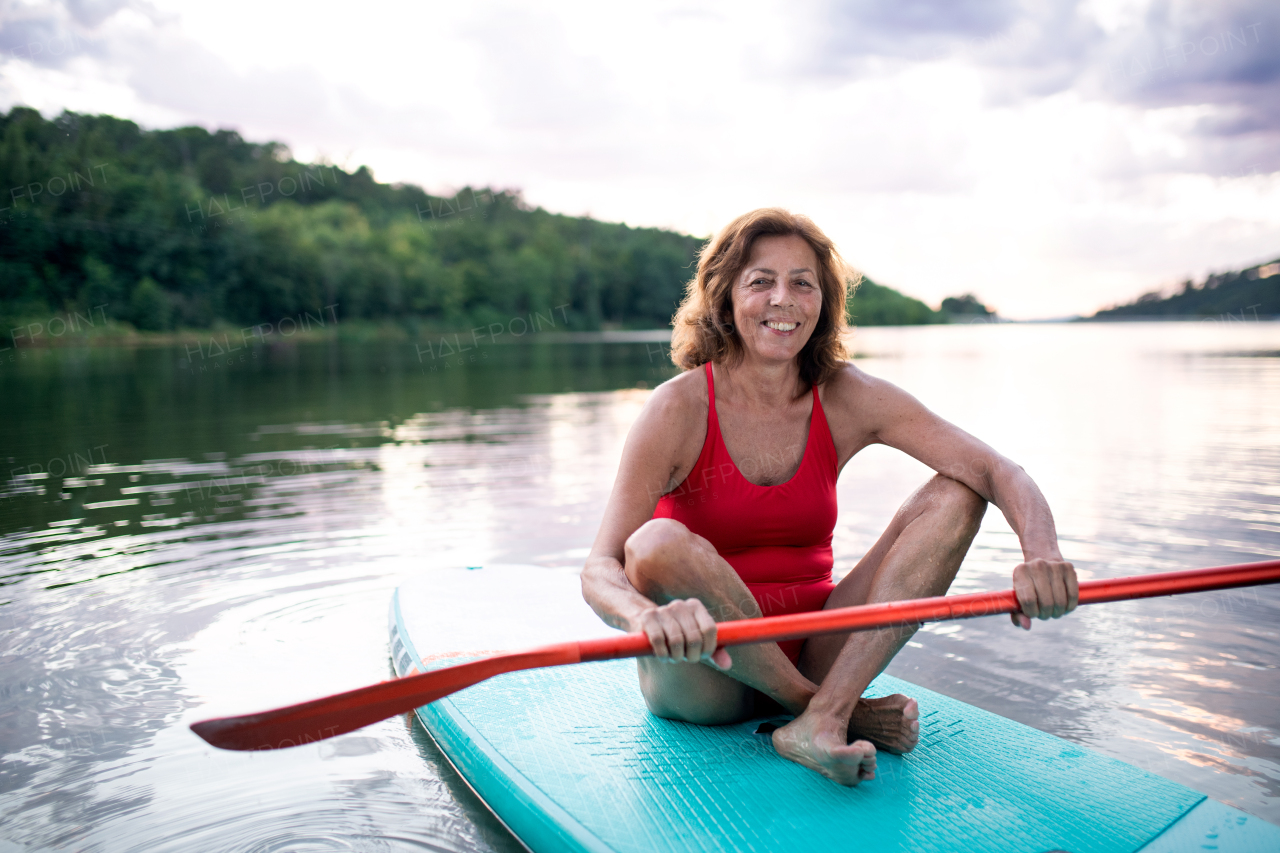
(184, 535)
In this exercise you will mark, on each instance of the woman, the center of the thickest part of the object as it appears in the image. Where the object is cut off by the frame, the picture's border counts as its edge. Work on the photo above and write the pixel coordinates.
(724, 506)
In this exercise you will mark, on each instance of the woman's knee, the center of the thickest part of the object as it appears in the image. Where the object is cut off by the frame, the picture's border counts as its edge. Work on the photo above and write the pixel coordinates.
(653, 550)
(955, 496)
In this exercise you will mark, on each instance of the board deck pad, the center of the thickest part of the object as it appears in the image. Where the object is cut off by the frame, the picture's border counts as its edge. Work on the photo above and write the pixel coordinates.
(570, 758)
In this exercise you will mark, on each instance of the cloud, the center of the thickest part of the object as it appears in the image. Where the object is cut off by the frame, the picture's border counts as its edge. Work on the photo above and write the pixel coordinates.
(536, 78)
(1037, 39)
(1222, 56)
(49, 35)
(91, 13)
(1029, 151)
(147, 58)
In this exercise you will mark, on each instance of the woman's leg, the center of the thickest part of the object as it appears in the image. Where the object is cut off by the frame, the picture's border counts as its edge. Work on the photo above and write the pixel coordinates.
(664, 561)
(917, 556)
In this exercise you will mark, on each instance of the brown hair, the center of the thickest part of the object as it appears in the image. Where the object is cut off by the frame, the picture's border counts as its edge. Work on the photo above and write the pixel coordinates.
(704, 321)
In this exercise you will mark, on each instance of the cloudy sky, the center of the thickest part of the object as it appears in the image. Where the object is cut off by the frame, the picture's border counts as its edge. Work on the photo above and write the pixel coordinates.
(1053, 157)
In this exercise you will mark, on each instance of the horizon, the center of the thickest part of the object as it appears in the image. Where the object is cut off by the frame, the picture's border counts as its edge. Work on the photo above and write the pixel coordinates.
(1052, 159)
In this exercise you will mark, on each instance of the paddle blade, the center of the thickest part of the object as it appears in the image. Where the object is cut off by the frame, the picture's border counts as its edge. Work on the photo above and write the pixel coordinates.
(320, 719)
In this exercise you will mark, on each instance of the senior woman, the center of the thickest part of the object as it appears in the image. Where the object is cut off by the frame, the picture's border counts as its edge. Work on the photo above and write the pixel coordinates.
(725, 503)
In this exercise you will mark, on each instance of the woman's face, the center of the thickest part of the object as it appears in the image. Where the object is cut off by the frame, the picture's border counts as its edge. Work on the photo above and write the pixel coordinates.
(777, 298)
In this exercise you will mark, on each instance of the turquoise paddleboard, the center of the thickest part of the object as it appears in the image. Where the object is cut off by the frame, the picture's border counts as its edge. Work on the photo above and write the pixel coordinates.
(569, 758)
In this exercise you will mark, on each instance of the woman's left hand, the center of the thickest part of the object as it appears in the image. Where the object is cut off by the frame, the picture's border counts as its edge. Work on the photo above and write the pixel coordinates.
(1046, 589)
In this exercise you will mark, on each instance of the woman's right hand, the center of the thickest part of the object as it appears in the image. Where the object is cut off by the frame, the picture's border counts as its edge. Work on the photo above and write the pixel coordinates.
(682, 631)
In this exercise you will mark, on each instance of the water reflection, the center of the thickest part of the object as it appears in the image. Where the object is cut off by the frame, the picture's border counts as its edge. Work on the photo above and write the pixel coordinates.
(1158, 446)
(220, 540)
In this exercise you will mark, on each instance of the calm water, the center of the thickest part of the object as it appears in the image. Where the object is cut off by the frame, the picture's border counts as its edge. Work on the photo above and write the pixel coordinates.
(180, 539)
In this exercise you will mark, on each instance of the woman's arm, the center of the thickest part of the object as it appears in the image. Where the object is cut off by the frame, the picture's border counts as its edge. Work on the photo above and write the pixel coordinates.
(881, 413)
(661, 448)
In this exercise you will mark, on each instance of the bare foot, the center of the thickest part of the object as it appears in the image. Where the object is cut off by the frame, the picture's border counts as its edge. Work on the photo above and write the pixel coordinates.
(892, 723)
(822, 747)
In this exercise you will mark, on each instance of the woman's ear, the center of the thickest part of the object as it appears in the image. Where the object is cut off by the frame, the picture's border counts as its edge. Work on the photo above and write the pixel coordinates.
(725, 314)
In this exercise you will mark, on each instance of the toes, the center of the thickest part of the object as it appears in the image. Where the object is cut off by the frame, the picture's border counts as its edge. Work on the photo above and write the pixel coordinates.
(892, 720)
(911, 713)
(858, 763)
(844, 764)
(896, 702)
(867, 763)
(865, 748)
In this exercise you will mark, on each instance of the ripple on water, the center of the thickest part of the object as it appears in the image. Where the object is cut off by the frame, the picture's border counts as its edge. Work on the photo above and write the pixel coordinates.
(252, 566)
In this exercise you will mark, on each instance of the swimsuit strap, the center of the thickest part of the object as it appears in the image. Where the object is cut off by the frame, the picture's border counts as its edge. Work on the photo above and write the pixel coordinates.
(712, 420)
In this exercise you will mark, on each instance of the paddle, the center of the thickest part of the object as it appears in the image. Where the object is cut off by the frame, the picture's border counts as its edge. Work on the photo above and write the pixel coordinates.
(344, 712)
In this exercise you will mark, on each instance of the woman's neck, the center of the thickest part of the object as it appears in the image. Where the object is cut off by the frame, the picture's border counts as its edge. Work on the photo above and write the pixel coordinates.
(756, 383)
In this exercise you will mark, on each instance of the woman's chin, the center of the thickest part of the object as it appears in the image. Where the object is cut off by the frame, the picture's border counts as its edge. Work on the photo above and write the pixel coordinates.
(777, 350)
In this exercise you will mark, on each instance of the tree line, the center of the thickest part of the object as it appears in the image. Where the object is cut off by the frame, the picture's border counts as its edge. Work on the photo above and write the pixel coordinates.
(1250, 293)
(187, 228)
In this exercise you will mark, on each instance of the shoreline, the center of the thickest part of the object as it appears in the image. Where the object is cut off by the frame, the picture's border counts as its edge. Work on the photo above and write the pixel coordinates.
(121, 335)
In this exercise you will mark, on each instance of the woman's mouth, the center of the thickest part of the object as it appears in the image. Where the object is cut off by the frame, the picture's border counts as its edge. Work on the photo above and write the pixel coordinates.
(780, 326)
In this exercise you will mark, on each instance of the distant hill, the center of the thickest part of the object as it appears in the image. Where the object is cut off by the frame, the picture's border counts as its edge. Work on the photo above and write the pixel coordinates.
(187, 229)
(1251, 293)
(966, 308)
(877, 305)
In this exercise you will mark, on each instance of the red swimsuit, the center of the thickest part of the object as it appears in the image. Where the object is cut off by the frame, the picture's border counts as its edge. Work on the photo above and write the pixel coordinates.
(777, 538)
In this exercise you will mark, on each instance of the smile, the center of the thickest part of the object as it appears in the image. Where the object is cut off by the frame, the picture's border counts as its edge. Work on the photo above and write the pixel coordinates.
(779, 326)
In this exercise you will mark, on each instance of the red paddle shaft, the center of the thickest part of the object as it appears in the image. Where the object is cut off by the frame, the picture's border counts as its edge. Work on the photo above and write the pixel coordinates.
(773, 629)
(334, 715)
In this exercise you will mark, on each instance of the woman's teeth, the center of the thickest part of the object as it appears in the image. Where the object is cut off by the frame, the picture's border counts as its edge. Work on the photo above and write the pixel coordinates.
(781, 327)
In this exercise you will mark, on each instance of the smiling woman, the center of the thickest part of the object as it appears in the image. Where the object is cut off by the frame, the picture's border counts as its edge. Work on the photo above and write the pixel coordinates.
(724, 507)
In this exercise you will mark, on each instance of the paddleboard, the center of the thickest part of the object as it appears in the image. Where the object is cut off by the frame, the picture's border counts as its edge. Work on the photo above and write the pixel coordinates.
(569, 758)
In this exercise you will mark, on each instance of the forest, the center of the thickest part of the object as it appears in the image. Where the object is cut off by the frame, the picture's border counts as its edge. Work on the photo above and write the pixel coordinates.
(1248, 294)
(191, 229)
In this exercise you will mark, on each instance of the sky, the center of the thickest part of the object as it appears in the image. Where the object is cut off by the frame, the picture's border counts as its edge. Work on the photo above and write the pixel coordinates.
(1051, 157)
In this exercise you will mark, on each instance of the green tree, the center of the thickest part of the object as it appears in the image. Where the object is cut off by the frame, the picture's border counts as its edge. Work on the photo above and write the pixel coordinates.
(213, 228)
(150, 308)
(874, 304)
(102, 288)
(966, 306)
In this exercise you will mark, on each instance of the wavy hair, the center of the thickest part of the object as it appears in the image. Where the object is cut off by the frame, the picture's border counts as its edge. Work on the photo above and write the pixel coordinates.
(704, 321)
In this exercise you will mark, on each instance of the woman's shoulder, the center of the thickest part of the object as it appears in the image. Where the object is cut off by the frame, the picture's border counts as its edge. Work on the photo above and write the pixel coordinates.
(682, 396)
(846, 385)
(852, 393)
(672, 426)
